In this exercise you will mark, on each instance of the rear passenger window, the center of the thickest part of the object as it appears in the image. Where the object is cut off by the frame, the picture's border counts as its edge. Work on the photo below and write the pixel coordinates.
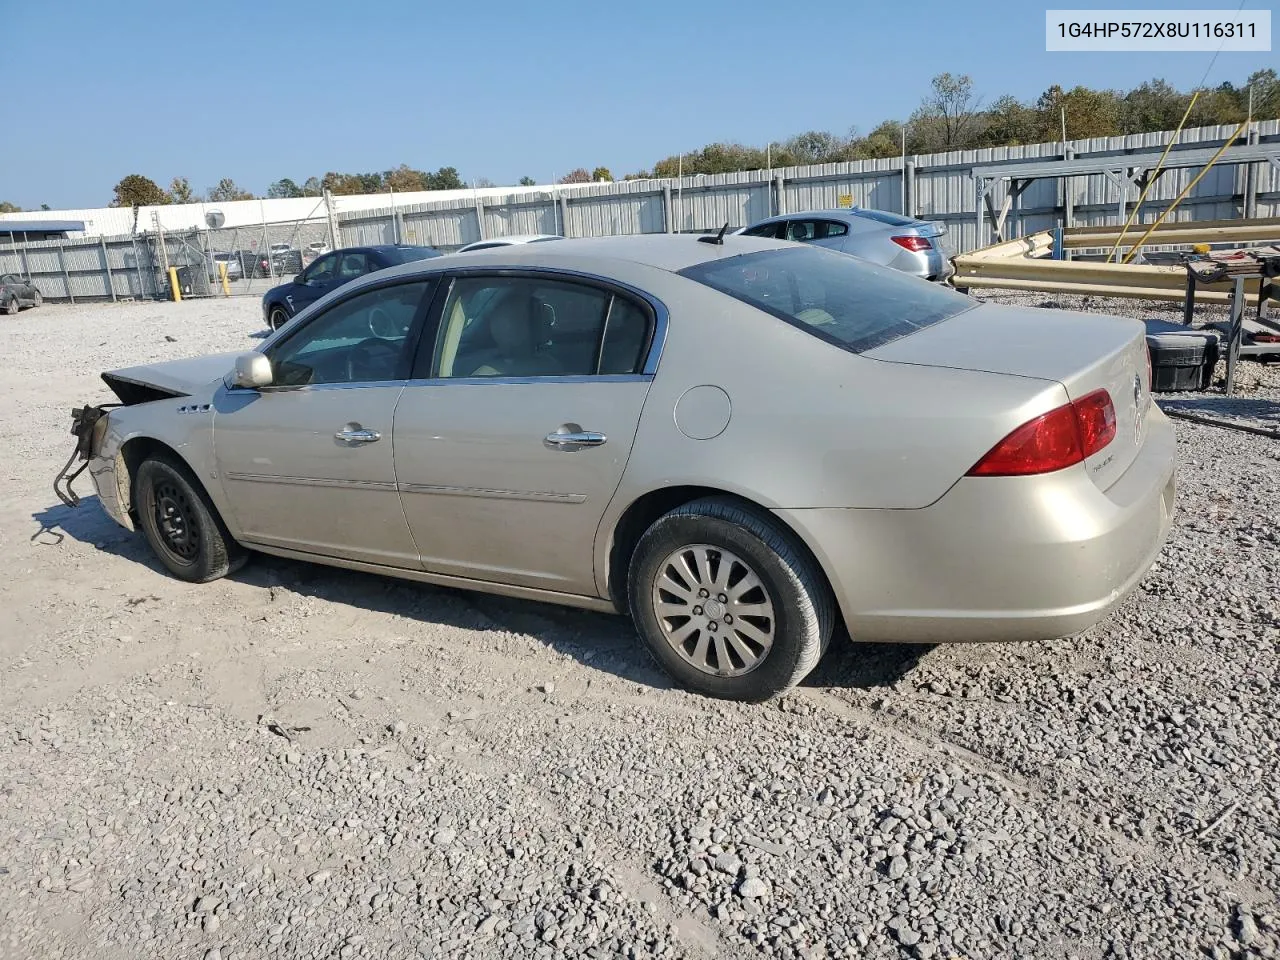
(531, 327)
(626, 338)
(830, 228)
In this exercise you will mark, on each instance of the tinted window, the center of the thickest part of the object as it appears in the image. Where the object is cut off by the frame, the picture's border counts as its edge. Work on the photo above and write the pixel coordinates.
(851, 303)
(358, 340)
(826, 229)
(762, 230)
(531, 327)
(322, 269)
(801, 231)
(352, 265)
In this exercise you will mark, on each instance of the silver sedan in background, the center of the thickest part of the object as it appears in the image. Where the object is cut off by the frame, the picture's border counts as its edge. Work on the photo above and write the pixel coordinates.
(743, 443)
(903, 243)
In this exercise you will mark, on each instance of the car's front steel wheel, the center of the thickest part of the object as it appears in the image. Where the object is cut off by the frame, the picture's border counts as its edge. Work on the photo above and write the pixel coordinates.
(181, 523)
(728, 601)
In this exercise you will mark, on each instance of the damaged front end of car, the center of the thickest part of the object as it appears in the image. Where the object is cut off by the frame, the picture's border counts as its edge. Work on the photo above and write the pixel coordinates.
(88, 426)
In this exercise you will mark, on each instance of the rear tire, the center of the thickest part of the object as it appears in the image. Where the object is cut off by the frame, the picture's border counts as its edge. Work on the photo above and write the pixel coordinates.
(277, 318)
(38, 299)
(728, 602)
(11, 307)
(181, 523)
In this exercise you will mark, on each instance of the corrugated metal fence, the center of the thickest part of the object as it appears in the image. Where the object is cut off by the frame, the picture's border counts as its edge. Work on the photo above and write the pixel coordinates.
(942, 188)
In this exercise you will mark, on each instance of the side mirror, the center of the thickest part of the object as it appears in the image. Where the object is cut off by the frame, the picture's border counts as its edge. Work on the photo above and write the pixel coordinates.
(299, 278)
(252, 370)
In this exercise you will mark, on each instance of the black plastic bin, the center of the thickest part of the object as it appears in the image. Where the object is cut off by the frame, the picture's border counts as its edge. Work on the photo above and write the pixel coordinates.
(1181, 358)
(186, 277)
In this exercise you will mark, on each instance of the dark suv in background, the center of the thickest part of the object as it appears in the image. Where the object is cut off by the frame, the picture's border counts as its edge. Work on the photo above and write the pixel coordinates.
(330, 271)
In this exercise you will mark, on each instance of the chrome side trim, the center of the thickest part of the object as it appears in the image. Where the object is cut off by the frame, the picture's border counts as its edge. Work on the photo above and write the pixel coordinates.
(493, 494)
(312, 481)
(576, 378)
(444, 580)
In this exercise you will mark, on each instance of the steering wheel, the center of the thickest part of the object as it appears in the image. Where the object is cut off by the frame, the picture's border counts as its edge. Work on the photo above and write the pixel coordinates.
(381, 325)
(372, 359)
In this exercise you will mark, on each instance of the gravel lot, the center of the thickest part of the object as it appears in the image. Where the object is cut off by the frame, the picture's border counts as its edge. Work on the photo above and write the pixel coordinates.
(304, 762)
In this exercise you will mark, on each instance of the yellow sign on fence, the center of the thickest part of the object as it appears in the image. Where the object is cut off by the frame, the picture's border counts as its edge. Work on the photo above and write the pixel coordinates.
(844, 200)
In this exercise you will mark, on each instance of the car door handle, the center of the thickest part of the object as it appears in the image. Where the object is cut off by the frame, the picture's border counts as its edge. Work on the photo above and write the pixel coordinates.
(354, 434)
(575, 440)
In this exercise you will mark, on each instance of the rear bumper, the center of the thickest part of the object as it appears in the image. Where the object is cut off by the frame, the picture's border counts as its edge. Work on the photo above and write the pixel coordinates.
(927, 264)
(998, 558)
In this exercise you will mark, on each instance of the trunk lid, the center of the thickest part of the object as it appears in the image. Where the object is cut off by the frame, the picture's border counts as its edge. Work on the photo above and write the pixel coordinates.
(172, 378)
(1082, 351)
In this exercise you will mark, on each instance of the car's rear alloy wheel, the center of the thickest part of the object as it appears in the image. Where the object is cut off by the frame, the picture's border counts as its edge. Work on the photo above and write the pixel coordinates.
(181, 524)
(728, 602)
(11, 307)
(277, 318)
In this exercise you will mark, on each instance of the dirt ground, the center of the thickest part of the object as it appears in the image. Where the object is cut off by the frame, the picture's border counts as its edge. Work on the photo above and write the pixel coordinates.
(298, 761)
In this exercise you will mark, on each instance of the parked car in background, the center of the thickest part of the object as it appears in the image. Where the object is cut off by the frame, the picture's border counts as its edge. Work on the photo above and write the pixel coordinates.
(313, 250)
(235, 267)
(903, 243)
(742, 442)
(330, 271)
(16, 293)
(507, 241)
(253, 264)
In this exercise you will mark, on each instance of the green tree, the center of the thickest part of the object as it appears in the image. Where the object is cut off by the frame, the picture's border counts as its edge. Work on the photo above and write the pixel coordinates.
(137, 190)
(45, 206)
(1090, 113)
(226, 190)
(1010, 122)
(884, 141)
(817, 146)
(528, 182)
(180, 190)
(7, 207)
(949, 109)
(342, 184)
(1153, 105)
(602, 173)
(284, 188)
(446, 178)
(1266, 94)
(312, 188)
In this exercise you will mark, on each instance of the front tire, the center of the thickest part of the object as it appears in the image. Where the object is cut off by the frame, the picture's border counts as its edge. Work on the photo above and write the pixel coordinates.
(277, 318)
(728, 602)
(181, 523)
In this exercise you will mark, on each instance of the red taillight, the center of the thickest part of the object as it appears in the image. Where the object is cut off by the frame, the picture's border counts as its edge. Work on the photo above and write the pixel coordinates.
(914, 244)
(1053, 441)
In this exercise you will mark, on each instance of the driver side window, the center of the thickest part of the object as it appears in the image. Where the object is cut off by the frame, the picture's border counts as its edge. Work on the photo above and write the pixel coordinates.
(322, 270)
(359, 340)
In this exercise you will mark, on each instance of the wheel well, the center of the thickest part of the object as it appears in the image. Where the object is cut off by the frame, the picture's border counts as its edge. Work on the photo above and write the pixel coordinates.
(134, 452)
(638, 517)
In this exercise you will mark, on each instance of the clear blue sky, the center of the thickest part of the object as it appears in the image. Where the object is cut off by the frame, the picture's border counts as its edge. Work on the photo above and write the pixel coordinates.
(261, 90)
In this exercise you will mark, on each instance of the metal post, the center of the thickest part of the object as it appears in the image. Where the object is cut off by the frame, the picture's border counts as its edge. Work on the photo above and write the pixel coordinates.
(1251, 181)
(1017, 205)
(395, 221)
(333, 223)
(909, 189)
(1123, 183)
(1236, 328)
(564, 213)
(26, 258)
(1068, 201)
(106, 265)
(666, 208)
(484, 234)
(980, 240)
(66, 277)
(779, 186)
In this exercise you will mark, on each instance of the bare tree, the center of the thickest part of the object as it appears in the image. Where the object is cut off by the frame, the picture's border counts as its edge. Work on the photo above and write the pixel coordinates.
(953, 106)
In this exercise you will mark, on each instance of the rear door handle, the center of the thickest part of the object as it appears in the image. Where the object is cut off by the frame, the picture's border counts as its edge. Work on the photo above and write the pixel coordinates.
(353, 433)
(575, 440)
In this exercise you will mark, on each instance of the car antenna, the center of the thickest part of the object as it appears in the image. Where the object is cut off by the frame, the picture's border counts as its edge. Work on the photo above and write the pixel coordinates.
(718, 238)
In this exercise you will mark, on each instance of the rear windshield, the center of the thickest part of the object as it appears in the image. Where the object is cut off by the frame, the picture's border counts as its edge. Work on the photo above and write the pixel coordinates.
(880, 216)
(409, 254)
(848, 302)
